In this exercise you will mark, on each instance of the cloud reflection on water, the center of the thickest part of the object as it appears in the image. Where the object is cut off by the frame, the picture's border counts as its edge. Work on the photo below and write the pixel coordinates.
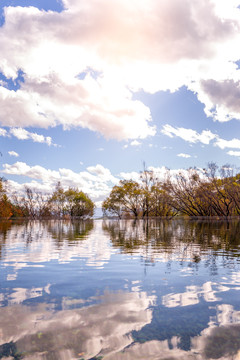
(119, 324)
(101, 328)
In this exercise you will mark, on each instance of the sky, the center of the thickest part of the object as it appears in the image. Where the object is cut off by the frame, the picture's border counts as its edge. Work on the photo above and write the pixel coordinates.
(92, 89)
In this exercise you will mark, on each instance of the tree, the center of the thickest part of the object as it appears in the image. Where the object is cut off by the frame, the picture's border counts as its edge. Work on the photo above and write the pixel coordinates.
(57, 201)
(5, 204)
(148, 180)
(112, 205)
(78, 204)
(71, 202)
(127, 197)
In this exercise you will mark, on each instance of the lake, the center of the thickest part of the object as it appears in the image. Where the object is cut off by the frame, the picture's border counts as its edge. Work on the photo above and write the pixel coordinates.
(120, 290)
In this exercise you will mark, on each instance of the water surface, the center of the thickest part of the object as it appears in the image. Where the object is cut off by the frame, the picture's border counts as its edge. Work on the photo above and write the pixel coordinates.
(120, 290)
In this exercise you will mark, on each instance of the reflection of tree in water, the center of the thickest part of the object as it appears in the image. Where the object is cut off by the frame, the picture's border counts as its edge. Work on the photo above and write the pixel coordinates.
(70, 230)
(5, 228)
(182, 240)
(26, 231)
(215, 243)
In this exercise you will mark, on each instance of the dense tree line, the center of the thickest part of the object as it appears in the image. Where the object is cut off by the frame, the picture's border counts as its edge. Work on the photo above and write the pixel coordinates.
(70, 203)
(214, 191)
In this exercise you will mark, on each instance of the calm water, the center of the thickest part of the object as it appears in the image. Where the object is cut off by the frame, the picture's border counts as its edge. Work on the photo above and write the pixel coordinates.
(120, 290)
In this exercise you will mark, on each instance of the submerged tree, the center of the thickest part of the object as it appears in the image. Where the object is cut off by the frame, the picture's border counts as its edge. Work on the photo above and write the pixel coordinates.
(71, 202)
(78, 204)
(36, 204)
(214, 191)
(130, 198)
(126, 198)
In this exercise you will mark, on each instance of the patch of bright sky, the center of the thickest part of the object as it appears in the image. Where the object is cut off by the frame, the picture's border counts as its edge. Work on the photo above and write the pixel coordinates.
(182, 109)
(10, 83)
(93, 73)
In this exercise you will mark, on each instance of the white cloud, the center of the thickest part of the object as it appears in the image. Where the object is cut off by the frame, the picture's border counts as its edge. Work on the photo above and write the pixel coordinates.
(20, 133)
(102, 173)
(13, 153)
(221, 97)
(135, 143)
(205, 137)
(122, 47)
(234, 153)
(3, 132)
(184, 155)
(97, 181)
(161, 173)
(223, 144)
(23, 134)
(133, 175)
(189, 135)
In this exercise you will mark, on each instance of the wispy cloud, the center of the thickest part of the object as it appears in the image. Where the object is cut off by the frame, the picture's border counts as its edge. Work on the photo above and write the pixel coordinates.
(205, 137)
(186, 156)
(135, 143)
(13, 153)
(189, 135)
(3, 132)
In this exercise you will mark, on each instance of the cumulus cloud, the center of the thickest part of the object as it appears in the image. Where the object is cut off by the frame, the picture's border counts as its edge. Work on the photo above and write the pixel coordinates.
(118, 48)
(223, 144)
(13, 153)
(23, 134)
(97, 181)
(133, 175)
(102, 173)
(221, 98)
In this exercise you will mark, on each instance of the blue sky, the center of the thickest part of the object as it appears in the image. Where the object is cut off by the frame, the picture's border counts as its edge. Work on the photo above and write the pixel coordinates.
(89, 90)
